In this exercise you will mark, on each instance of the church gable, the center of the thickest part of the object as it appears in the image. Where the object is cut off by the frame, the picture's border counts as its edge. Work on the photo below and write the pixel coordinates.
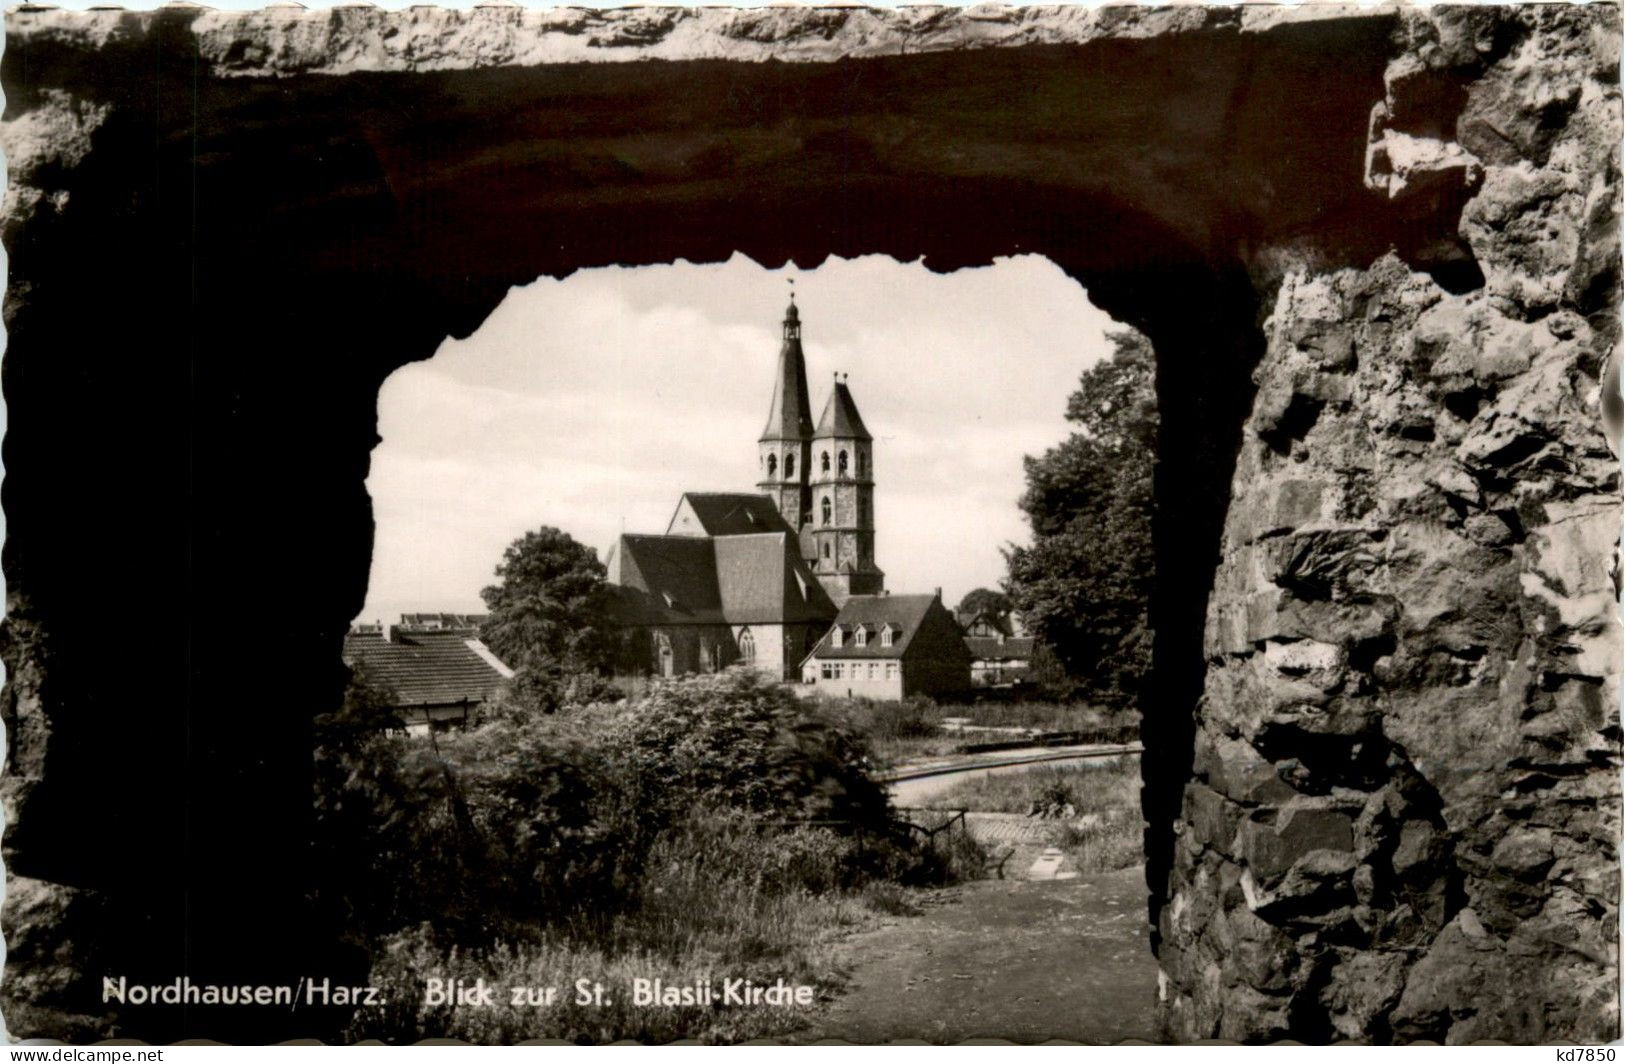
(725, 514)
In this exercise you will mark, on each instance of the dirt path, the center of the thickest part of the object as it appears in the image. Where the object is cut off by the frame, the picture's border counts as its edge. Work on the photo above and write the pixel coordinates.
(1026, 962)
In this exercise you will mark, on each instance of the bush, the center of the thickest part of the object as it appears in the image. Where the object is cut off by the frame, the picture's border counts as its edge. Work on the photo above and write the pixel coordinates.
(497, 828)
(733, 741)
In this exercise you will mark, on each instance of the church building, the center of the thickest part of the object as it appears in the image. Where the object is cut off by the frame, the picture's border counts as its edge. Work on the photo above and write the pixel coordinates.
(758, 578)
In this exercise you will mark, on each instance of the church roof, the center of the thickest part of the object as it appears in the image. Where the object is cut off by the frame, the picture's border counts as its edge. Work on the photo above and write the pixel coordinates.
(790, 415)
(756, 578)
(425, 668)
(840, 416)
(705, 513)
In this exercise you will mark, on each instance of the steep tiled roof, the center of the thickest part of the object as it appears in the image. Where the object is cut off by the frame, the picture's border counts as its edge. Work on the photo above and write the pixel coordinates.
(427, 668)
(840, 417)
(790, 415)
(732, 579)
(1016, 648)
(903, 612)
(675, 576)
(728, 514)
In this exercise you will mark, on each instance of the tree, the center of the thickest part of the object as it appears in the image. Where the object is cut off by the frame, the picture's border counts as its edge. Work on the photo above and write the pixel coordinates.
(550, 617)
(1084, 585)
(984, 602)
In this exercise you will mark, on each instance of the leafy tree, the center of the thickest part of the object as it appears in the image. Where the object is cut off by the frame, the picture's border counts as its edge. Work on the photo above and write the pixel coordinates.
(549, 614)
(984, 601)
(1084, 585)
(368, 709)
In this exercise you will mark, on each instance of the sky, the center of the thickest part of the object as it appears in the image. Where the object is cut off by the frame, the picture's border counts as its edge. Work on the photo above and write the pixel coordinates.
(592, 403)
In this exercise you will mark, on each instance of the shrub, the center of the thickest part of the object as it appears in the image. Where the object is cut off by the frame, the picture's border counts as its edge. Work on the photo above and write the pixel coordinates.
(500, 827)
(736, 742)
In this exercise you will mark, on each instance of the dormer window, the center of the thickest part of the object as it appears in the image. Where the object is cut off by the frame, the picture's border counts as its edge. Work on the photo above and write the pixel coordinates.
(885, 636)
(835, 636)
(862, 637)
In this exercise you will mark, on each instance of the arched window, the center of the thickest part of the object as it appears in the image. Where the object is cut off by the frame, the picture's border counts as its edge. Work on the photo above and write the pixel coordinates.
(789, 465)
(840, 465)
(825, 511)
(747, 647)
(772, 464)
(825, 459)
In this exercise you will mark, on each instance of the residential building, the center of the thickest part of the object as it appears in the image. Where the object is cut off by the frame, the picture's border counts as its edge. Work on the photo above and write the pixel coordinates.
(890, 647)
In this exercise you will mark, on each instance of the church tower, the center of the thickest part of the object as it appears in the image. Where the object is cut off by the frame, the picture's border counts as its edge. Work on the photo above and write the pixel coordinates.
(786, 444)
(843, 501)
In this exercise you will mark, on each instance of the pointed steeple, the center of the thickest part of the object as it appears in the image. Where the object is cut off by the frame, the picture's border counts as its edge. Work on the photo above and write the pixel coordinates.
(840, 418)
(790, 416)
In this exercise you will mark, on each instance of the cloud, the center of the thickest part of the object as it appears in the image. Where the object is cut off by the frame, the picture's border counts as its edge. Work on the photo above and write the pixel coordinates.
(591, 403)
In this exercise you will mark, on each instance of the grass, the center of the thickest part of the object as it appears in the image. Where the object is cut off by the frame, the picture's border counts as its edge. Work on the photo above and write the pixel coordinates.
(1108, 832)
(912, 730)
(720, 899)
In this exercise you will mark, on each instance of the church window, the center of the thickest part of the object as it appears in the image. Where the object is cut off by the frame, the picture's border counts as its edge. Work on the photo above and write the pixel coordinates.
(789, 465)
(825, 511)
(862, 637)
(826, 548)
(772, 464)
(825, 458)
(747, 647)
(840, 465)
(885, 636)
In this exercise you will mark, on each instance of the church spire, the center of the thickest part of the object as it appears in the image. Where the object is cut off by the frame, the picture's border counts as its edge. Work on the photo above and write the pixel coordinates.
(784, 450)
(790, 415)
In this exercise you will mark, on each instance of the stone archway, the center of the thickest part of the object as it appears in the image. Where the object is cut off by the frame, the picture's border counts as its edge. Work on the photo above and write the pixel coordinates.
(1374, 250)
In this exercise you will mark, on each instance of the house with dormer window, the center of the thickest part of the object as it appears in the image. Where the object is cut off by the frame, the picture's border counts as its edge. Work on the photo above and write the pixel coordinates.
(889, 647)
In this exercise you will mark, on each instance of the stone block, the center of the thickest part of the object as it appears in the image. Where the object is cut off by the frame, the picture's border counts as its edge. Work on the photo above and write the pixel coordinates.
(1210, 819)
(1237, 771)
(1295, 503)
(1317, 663)
(1270, 850)
(1260, 954)
(1524, 854)
(1363, 988)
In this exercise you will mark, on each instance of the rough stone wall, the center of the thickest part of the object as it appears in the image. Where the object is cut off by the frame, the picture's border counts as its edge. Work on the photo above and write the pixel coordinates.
(1402, 798)
(1405, 809)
